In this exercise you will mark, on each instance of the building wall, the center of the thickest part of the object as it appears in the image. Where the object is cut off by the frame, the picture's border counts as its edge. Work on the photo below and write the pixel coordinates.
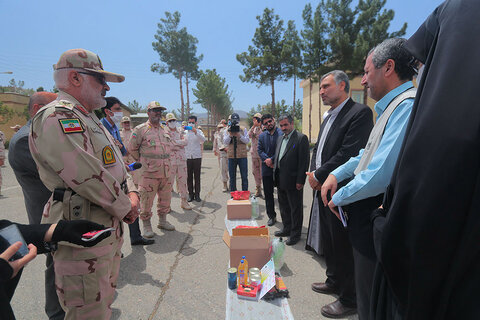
(16, 102)
(311, 126)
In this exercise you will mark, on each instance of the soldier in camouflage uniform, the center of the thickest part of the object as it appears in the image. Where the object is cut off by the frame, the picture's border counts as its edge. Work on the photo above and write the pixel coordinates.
(151, 145)
(253, 134)
(220, 150)
(80, 164)
(178, 158)
(2, 156)
(126, 135)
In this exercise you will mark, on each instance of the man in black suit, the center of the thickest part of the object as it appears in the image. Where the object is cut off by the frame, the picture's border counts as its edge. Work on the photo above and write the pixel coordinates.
(343, 133)
(291, 163)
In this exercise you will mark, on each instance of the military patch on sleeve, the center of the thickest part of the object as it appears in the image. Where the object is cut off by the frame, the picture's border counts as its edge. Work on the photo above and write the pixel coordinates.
(108, 155)
(71, 125)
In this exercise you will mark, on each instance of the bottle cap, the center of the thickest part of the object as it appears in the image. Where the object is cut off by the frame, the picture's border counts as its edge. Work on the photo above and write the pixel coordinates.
(243, 257)
(241, 261)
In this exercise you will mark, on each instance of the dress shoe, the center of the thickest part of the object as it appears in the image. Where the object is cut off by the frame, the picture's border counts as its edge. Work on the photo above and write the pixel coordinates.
(322, 287)
(142, 242)
(281, 233)
(292, 241)
(271, 221)
(190, 198)
(197, 198)
(337, 310)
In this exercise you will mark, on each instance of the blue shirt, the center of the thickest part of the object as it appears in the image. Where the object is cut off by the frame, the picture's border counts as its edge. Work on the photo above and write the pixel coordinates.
(115, 133)
(375, 179)
(267, 144)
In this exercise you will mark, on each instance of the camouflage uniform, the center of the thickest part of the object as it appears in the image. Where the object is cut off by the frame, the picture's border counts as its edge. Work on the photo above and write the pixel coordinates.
(253, 134)
(126, 135)
(221, 150)
(77, 156)
(152, 147)
(2, 156)
(179, 160)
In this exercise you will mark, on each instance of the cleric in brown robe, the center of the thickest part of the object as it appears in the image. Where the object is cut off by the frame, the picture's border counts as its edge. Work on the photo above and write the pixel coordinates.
(427, 240)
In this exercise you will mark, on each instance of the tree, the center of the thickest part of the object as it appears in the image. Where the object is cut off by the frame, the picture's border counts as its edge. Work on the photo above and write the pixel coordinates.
(372, 24)
(40, 89)
(280, 108)
(136, 107)
(292, 55)
(264, 62)
(315, 51)
(212, 94)
(176, 49)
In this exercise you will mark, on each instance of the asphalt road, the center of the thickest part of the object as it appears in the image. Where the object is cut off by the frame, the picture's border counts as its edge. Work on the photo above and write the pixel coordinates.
(183, 275)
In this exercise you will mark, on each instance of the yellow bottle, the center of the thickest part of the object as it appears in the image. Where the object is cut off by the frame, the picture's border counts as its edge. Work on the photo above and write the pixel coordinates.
(242, 273)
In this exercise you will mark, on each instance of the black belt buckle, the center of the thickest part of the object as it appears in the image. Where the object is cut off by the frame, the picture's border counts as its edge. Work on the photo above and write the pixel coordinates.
(58, 194)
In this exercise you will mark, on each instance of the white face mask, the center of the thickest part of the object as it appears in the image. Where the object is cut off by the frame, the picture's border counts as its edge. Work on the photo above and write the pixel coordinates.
(117, 118)
(172, 124)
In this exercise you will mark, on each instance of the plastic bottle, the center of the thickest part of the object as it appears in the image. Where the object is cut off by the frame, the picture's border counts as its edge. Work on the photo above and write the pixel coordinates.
(242, 273)
(255, 208)
(278, 248)
(246, 264)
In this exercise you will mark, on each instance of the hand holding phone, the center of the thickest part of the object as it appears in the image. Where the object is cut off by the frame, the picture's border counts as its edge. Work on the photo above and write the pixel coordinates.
(92, 235)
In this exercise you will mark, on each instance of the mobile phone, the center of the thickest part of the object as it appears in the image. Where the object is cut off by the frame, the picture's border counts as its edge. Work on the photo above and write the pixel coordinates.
(11, 234)
(188, 127)
(92, 235)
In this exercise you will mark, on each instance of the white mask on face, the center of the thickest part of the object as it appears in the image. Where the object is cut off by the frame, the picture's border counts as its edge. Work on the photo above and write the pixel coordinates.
(117, 118)
(172, 124)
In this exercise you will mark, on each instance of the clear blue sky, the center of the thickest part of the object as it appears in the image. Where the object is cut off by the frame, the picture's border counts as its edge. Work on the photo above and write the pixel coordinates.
(35, 33)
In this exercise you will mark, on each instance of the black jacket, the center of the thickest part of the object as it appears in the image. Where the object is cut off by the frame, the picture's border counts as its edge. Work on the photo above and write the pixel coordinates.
(294, 162)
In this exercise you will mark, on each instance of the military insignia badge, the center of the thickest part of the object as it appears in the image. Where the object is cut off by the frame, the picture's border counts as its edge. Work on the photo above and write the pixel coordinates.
(71, 126)
(108, 155)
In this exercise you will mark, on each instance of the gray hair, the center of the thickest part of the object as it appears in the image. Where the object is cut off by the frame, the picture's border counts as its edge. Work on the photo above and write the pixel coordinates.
(338, 76)
(60, 77)
(286, 116)
(394, 49)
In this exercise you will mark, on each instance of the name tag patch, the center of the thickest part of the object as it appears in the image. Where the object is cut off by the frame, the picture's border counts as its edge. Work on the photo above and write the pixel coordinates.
(108, 155)
(71, 126)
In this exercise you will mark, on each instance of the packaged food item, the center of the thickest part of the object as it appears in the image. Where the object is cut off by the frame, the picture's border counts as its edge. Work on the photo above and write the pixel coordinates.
(248, 292)
(232, 278)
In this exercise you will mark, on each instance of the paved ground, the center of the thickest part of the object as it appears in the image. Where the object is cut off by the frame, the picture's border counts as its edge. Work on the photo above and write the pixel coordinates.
(183, 275)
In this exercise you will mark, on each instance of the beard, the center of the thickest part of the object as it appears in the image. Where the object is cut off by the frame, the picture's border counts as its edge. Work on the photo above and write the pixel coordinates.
(93, 97)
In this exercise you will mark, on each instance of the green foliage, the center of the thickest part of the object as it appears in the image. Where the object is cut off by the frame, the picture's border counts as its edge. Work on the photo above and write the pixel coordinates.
(177, 50)
(280, 108)
(40, 89)
(17, 87)
(5, 113)
(208, 145)
(264, 63)
(136, 107)
(212, 94)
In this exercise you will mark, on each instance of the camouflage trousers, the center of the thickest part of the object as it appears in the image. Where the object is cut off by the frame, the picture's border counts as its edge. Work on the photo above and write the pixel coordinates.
(179, 170)
(223, 164)
(148, 188)
(86, 279)
(256, 169)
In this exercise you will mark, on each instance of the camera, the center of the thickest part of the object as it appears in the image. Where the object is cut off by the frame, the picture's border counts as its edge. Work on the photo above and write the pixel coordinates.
(234, 123)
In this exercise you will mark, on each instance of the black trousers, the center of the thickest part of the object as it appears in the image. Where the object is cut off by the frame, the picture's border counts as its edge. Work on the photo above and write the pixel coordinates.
(269, 200)
(338, 255)
(291, 210)
(193, 173)
(134, 231)
(360, 232)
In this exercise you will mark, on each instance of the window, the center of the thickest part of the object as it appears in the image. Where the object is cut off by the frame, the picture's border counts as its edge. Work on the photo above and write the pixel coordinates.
(357, 96)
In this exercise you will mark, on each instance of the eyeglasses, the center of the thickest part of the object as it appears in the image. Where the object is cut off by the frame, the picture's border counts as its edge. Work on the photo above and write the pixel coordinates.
(156, 110)
(267, 122)
(99, 77)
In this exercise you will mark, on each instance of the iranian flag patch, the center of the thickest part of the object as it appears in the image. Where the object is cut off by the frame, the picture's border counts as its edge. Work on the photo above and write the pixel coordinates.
(71, 125)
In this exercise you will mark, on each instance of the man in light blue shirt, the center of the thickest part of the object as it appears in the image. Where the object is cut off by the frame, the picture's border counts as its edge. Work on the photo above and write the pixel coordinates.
(388, 75)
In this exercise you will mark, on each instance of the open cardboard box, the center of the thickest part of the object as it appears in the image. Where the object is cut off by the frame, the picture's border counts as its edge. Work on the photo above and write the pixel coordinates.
(253, 243)
(239, 209)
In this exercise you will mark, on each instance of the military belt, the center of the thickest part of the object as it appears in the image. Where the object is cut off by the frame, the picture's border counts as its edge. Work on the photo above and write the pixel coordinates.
(156, 156)
(58, 194)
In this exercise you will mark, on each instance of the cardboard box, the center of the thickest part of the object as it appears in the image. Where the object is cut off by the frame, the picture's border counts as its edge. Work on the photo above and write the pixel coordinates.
(239, 209)
(253, 243)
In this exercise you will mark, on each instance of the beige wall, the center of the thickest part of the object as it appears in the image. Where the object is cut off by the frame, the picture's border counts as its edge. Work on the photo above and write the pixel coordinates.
(17, 102)
(356, 90)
